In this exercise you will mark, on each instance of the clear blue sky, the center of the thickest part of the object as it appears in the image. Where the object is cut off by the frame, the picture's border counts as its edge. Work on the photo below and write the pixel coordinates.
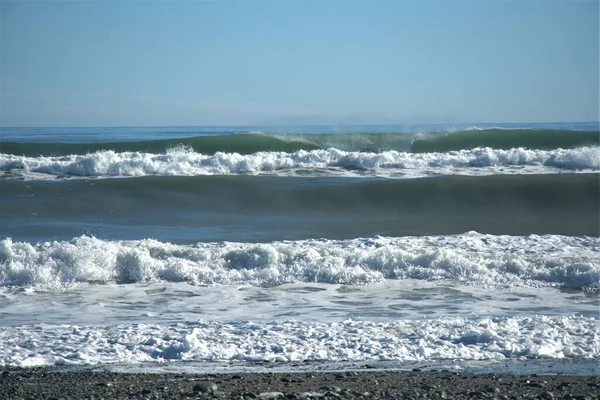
(120, 63)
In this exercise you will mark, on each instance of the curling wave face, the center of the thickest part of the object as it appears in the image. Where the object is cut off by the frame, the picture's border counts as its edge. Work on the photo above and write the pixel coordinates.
(374, 140)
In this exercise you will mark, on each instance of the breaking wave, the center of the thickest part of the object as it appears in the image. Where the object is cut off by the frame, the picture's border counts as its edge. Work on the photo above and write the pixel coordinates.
(186, 162)
(470, 258)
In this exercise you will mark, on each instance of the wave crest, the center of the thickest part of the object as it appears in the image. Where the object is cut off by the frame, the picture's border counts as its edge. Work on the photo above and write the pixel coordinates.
(183, 161)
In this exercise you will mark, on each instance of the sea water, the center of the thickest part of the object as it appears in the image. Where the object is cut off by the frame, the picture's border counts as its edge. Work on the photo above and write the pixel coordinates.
(221, 247)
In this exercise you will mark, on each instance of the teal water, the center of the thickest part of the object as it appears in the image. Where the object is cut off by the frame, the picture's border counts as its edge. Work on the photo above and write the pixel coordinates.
(255, 208)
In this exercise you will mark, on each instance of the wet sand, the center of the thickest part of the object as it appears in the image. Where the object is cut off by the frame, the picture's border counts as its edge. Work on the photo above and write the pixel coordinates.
(49, 383)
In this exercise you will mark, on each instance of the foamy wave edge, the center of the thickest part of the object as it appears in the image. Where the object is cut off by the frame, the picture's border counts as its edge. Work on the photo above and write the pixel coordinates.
(184, 162)
(470, 258)
(472, 338)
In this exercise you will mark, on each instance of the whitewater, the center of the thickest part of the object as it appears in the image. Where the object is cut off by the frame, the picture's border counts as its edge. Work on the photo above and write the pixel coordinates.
(186, 162)
(240, 247)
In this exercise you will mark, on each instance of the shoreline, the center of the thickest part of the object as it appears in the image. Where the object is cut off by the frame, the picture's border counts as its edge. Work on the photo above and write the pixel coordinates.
(67, 383)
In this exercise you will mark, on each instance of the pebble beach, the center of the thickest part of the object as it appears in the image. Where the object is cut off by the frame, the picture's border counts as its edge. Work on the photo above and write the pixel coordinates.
(51, 384)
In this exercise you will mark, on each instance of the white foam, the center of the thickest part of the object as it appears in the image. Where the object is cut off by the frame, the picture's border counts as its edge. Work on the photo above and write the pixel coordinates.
(471, 258)
(184, 162)
(293, 341)
(407, 299)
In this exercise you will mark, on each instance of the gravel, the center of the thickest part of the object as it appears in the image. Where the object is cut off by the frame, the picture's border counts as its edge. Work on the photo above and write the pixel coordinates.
(44, 383)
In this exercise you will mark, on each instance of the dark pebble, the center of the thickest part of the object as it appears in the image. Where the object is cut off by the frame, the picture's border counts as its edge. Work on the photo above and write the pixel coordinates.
(536, 384)
(205, 387)
(333, 389)
(546, 396)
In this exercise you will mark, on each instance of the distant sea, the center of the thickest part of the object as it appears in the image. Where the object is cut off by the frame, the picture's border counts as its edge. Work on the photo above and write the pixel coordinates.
(249, 247)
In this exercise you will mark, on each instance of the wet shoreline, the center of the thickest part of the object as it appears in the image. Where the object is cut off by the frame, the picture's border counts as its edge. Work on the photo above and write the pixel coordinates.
(57, 383)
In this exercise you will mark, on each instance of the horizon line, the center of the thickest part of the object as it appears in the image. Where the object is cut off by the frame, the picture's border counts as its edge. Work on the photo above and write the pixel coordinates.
(293, 125)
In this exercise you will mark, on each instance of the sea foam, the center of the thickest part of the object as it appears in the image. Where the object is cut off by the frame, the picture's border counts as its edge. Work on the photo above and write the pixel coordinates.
(470, 258)
(185, 162)
(292, 341)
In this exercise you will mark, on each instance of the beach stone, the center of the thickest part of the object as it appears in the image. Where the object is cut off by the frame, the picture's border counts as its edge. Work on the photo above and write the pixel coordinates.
(546, 396)
(205, 387)
(270, 395)
(536, 384)
(333, 389)
(311, 395)
(493, 389)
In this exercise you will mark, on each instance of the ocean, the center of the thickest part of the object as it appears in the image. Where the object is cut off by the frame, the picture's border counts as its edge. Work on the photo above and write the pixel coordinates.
(248, 248)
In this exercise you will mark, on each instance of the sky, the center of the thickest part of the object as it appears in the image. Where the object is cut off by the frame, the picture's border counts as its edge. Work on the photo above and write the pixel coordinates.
(178, 63)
